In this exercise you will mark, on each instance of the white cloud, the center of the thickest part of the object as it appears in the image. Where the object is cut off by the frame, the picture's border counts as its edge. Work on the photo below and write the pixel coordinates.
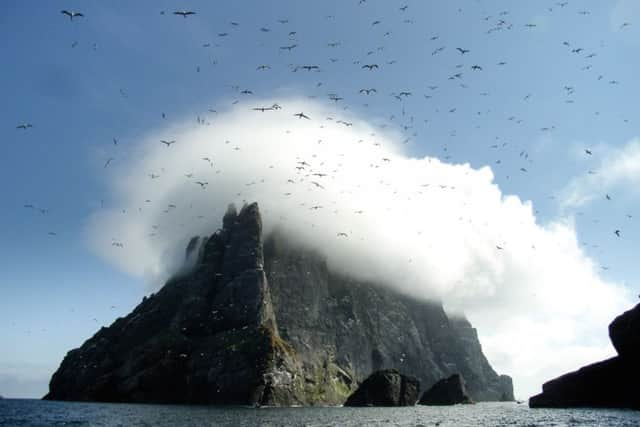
(426, 227)
(617, 167)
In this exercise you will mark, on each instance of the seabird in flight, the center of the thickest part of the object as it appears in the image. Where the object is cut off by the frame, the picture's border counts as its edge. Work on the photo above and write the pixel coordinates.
(184, 13)
(71, 14)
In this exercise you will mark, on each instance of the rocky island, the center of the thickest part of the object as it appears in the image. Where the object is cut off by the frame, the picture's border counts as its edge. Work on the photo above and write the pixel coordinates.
(387, 387)
(261, 321)
(447, 391)
(610, 383)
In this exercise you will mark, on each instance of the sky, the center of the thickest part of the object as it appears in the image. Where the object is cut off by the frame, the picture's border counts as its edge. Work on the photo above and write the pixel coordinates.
(493, 164)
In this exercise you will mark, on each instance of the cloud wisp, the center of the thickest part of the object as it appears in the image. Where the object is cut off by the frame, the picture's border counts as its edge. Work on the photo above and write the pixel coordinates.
(347, 188)
(618, 167)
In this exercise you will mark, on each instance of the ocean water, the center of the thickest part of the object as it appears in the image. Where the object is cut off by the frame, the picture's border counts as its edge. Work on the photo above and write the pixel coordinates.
(25, 412)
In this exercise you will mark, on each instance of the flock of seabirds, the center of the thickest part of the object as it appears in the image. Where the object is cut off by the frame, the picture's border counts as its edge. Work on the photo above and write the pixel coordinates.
(499, 22)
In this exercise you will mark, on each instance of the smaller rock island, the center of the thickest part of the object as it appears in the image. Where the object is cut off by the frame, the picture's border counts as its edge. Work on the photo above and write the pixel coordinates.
(447, 391)
(386, 388)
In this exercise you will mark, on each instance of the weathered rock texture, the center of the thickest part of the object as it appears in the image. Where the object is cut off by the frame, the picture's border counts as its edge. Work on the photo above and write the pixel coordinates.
(447, 391)
(386, 388)
(268, 324)
(612, 383)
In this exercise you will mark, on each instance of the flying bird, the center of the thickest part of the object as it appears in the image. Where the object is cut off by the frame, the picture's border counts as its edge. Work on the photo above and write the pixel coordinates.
(617, 232)
(302, 115)
(168, 143)
(462, 51)
(588, 151)
(202, 184)
(370, 66)
(24, 126)
(71, 14)
(184, 13)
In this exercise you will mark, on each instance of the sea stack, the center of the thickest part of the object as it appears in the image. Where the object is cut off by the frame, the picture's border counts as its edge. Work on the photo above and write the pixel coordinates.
(386, 388)
(260, 320)
(447, 391)
(611, 383)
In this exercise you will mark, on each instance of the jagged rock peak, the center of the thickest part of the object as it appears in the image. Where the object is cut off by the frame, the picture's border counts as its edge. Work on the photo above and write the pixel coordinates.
(243, 241)
(229, 217)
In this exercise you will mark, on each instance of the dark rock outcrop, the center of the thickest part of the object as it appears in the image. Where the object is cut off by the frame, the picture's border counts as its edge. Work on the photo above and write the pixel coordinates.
(612, 383)
(386, 388)
(624, 332)
(447, 391)
(267, 323)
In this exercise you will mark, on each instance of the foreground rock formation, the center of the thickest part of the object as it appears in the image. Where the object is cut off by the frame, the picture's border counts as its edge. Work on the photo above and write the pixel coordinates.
(447, 391)
(612, 383)
(266, 323)
(386, 388)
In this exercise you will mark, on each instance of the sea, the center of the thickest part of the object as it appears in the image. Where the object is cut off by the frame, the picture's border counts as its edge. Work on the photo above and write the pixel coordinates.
(30, 412)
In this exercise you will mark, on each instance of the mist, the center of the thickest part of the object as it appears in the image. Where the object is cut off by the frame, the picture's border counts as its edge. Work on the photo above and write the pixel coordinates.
(341, 184)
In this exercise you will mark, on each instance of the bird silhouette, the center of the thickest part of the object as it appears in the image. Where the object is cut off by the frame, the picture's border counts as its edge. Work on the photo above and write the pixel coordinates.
(71, 14)
(184, 13)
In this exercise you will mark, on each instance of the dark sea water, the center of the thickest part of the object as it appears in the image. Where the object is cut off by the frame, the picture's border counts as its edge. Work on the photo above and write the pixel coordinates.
(19, 412)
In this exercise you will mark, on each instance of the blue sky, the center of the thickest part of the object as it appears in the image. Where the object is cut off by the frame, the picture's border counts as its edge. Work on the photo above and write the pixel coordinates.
(115, 71)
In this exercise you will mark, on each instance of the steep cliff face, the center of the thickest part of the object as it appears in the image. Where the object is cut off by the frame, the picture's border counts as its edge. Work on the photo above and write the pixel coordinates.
(268, 324)
(360, 327)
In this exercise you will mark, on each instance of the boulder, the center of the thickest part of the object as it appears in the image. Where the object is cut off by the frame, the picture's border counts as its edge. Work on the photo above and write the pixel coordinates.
(386, 388)
(447, 391)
